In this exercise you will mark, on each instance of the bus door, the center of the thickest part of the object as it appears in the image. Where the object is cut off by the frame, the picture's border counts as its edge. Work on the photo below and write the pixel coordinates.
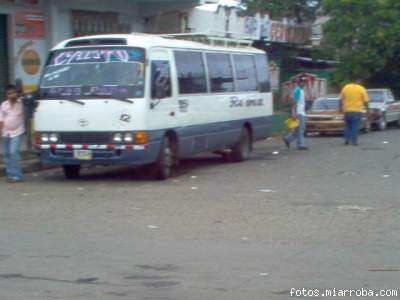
(164, 109)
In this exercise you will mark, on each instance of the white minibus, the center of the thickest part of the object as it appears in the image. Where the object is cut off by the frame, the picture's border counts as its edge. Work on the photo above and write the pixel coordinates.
(138, 99)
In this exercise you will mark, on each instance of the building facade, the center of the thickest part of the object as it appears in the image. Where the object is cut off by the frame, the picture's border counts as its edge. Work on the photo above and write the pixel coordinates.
(30, 28)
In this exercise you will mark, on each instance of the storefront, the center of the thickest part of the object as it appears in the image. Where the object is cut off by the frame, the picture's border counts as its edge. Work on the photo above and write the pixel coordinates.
(30, 28)
(23, 43)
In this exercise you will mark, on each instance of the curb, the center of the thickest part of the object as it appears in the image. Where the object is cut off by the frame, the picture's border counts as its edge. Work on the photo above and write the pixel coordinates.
(28, 165)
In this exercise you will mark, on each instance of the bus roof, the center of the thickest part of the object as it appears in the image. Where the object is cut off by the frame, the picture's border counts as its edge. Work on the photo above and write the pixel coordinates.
(147, 41)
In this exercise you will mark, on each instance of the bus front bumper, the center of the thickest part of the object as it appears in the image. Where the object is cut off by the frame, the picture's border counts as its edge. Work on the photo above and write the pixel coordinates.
(136, 155)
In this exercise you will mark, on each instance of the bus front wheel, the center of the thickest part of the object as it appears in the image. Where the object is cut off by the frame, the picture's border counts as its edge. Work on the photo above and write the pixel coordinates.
(72, 171)
(241, 151)
(165, 162)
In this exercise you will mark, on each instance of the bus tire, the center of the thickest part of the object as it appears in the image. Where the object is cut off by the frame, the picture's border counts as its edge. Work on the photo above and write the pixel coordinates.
(71, 171)
(241, 151)
(166, 159)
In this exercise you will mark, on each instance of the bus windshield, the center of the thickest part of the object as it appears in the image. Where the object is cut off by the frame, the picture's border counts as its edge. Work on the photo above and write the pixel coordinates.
(94, 72)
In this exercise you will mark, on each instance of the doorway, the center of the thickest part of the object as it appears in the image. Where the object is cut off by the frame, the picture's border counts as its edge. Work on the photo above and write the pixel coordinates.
(4, 67)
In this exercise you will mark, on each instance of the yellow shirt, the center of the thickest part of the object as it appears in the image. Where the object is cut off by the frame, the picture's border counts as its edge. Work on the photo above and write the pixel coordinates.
(354, 97)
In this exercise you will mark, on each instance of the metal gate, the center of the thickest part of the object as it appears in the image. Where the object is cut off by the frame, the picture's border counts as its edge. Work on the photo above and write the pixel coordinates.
(4, 80)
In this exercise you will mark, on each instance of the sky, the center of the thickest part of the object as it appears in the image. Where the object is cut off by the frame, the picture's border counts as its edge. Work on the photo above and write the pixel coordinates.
(214, 7)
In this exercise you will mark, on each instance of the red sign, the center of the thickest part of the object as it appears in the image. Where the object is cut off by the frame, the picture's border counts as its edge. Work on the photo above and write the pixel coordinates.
(20, 2)
(315, 87)
(30, 25)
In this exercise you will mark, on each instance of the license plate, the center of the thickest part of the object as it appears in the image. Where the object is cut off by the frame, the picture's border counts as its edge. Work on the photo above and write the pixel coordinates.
(83, 154)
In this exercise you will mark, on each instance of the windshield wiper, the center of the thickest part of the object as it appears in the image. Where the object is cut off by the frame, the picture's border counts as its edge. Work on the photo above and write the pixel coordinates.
(111, 97)
(75, 101)
(122, 99)
(62, 98)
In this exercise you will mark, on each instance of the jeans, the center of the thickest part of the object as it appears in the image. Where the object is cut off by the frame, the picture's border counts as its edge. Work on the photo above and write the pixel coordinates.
(298, 133)
(352, 126)
(12, 156)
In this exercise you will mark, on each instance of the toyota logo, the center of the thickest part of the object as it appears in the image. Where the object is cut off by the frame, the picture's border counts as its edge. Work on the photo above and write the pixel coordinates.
(83, 122)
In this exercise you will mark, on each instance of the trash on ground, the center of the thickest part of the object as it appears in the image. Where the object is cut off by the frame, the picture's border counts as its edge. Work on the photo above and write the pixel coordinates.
(275, 153)
(80, 188)
(152, 226)
(386, 176)
(385, 142)
(193, 177)
(355, 208)
(347, 173)
(264, 274)
(266, 191)
(194, 188)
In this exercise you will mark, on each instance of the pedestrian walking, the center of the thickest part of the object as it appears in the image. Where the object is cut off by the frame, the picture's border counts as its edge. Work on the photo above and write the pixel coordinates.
(354, 101)
(298, 112)
(12, 130)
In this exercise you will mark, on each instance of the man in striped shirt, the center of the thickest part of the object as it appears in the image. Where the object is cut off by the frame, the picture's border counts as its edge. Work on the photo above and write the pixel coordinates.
(12, 130)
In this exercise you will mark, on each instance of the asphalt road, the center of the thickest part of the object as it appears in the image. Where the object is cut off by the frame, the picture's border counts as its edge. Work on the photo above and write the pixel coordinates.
(320, 219)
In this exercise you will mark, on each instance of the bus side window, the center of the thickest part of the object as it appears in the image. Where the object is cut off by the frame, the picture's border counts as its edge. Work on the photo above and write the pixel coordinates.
(220, 70)
(245, 73)
(262, 68)
(160, 79)
(191, 72)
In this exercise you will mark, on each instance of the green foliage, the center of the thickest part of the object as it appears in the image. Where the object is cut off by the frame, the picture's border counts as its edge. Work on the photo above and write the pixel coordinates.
(366, 37)
(301, 10)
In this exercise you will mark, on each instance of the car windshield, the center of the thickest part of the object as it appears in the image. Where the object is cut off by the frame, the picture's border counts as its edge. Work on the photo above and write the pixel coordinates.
(326, 104)
(376, 96)
(113, 72)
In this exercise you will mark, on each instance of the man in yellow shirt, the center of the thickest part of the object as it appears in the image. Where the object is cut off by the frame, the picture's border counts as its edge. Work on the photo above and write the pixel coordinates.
(354, 99)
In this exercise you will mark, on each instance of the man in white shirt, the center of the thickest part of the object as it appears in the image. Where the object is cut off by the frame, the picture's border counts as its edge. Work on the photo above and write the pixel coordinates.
(298, 112)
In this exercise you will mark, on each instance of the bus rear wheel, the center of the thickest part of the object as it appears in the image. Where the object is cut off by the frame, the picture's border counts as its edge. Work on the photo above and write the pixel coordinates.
(241, 151)
(72, 171)
(164, 165)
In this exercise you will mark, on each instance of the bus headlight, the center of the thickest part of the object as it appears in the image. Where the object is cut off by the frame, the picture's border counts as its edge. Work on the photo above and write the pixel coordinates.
(117, 137)
(53, 137)
(44, 138)
(128, 137)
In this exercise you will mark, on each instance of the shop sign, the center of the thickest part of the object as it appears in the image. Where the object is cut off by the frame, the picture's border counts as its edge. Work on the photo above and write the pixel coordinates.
(29, 25)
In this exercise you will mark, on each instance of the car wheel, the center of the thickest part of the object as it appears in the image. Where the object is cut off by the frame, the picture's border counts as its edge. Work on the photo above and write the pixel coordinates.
(367, 127)
(242, 150)
(165, 161)
(382, 124)
(398, 123)
(72, 171)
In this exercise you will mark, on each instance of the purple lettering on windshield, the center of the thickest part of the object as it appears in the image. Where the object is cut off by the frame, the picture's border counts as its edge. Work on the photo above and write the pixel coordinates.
(104, 56)
(89, 91)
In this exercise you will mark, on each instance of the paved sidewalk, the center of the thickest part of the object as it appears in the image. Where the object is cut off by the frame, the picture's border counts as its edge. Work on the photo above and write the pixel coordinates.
(30, 161)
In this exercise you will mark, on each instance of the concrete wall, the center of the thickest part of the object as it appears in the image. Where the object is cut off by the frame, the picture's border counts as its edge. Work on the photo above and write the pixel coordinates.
(60, 13)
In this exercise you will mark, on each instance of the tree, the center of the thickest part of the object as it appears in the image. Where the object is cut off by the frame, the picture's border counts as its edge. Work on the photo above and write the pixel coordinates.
(301, 10)
(365, 36)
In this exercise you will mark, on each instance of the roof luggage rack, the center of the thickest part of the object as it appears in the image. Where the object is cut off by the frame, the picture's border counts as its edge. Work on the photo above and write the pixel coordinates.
(214, 38)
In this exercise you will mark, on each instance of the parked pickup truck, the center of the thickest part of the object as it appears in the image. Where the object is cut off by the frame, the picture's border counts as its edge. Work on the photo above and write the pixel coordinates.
(383, 108)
